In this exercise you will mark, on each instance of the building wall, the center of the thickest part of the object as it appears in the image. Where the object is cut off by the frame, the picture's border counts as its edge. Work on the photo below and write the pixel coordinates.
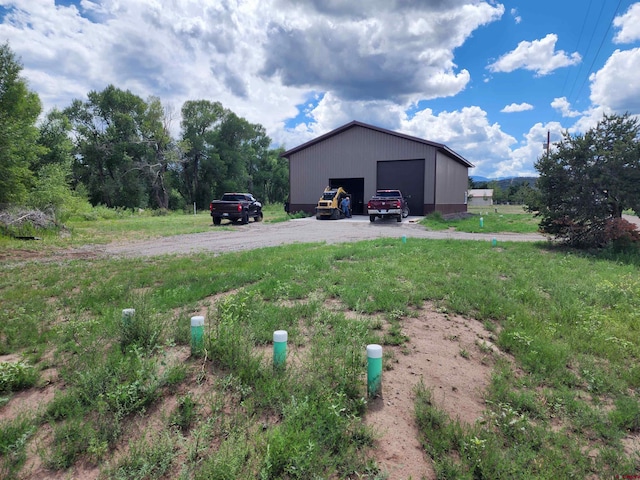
(355, 152)
(452, 179)
(352, 153)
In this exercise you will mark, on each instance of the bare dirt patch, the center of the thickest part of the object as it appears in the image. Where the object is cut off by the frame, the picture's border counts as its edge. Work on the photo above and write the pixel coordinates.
(449, 354)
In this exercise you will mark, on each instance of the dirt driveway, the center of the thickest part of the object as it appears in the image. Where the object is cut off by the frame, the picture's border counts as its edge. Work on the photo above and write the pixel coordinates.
(304, 230)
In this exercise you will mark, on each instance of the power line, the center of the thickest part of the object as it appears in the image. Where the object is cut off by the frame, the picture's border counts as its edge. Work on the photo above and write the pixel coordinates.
(599, 47)
(584, 23)
(586, 52)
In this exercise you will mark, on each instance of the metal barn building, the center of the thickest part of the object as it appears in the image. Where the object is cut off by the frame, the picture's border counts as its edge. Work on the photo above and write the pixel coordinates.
(362, 158)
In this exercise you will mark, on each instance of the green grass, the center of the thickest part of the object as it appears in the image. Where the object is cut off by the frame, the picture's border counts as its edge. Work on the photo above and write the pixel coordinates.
(107, 226)
(569, 320)
(495, 219)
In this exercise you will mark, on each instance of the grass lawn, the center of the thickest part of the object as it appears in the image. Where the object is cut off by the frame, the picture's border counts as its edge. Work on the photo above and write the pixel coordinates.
(567, 407)
(494, 219)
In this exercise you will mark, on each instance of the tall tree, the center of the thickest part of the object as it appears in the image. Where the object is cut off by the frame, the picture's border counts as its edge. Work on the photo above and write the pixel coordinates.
(588, 181)
(201, 164)
(271, 178)
(161, 151)
(53, 168)
(242, 148)
(19, 110)
(54, 138)
(110, 145)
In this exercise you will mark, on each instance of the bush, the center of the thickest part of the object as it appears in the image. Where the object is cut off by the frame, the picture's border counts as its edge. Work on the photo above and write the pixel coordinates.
(16, 376)
(621, 234)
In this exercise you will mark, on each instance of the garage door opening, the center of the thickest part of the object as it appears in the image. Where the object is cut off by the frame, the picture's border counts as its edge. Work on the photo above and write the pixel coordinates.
(406, 176)
(355, 188)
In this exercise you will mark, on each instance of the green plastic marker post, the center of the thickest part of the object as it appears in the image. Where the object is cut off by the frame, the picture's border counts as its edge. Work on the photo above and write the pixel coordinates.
(197, 335)
(494, 242)
(404, 239)
(481, 222)
(374, 370)
(280, 338)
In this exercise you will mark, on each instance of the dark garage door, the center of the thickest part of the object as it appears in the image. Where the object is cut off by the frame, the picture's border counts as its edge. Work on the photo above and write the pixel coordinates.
(355, 188)
(406, 176)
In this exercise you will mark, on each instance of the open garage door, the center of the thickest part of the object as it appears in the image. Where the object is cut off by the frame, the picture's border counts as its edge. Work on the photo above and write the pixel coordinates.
(406, 176)
(355, 188)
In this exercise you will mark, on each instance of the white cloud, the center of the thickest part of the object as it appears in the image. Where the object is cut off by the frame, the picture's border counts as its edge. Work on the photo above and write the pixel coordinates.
(260, 58)
(615, 86)
(522, 159)
(629, 25)
(539, 56)
(467, 132)
(562, 105)
(517, 107)
(382, 53)
(514, 13)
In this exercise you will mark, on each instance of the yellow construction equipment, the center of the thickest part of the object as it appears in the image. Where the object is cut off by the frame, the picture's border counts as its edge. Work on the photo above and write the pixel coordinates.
(329, 204)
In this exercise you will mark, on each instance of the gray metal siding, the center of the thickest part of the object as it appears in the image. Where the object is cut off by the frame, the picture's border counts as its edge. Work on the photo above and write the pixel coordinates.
(353, 153)
(451, 181)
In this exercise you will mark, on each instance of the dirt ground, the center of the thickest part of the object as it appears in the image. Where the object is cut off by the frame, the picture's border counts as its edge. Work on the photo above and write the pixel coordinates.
(451, 355)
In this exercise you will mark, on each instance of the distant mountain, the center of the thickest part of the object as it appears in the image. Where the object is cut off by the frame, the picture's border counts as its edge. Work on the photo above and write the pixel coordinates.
(477, 179)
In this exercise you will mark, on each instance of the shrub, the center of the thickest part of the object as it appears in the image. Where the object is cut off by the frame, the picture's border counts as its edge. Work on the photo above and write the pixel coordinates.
(16, 376)
(621, 234)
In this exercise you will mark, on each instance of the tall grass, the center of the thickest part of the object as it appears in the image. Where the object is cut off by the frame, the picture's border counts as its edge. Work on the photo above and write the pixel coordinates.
(562, 410)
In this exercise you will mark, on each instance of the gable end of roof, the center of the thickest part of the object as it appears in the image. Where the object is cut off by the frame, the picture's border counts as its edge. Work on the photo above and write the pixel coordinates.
(439, 146)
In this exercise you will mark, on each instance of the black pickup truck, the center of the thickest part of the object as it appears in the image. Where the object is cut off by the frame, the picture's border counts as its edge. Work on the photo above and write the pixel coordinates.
(236, 207)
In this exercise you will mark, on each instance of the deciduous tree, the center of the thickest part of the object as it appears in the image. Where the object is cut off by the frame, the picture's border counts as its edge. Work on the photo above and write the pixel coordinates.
(19, 110)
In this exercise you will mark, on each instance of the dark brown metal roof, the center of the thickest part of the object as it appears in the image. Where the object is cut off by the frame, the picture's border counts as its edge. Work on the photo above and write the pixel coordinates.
(439, 146)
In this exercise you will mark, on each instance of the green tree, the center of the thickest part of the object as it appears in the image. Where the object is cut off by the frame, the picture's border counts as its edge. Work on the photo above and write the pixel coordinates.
(222, 152)
(121, 148)
(19, 110)
(588, 181)
(243, 148)
(200, 166)
(55, 141)
(271, 179)
(160, 153)
(52, 171)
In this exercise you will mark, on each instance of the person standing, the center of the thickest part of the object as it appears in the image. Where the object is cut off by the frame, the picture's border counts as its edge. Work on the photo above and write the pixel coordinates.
(346, 206)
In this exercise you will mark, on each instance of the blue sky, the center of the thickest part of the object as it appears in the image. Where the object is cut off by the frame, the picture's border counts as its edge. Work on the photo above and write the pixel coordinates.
(486, 78)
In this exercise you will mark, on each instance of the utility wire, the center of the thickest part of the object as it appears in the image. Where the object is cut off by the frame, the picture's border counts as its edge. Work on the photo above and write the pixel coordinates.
(586, 52)
(584, 23)
(599, 47)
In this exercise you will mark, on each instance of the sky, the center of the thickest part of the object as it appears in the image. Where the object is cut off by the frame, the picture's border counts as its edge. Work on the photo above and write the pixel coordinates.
(489, 79)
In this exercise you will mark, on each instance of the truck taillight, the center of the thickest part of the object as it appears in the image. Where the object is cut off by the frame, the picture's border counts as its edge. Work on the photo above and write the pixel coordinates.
(211, 207)
(239, 207)
(368, 204)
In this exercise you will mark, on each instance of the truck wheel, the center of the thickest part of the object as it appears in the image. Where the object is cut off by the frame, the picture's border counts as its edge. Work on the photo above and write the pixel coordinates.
(216, 220)
(245, 218)
(372, 218)
(405, 211)
(399, 218)
(258, 217)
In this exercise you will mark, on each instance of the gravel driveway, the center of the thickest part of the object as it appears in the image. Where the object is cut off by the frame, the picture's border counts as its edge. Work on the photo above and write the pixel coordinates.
(304, 230)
